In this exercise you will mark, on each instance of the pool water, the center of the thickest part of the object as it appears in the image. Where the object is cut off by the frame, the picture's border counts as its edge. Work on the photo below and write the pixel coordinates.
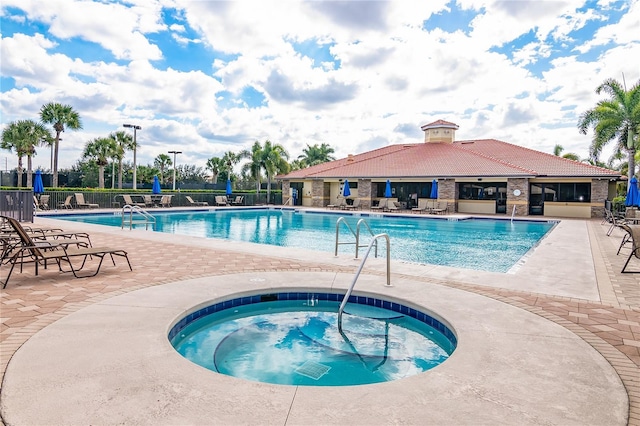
(298, 343)
(480, 244)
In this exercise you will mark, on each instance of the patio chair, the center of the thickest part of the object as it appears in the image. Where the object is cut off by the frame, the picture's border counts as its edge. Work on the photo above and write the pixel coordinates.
(391, 206)
(340, 203)
(442, 207)
(196, 203)
(128, 200)
(634, 231)
(615, 222)
(165, 201)
(382, 204)
(43, 251)
(44, 202)
(83, 204)
(67, 203)
(148, 201)
(422, 206)
(354, 206)
(221, 200)
(239, 200)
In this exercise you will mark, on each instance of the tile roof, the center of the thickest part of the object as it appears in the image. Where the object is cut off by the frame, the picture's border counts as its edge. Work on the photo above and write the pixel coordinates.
(472, 158)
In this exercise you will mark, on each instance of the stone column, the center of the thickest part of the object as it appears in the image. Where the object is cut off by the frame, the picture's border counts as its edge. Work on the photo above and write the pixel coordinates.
(365, 193)
(599, 194)
(319, 194)
(286, 184)
(521, 202)
(447, 194)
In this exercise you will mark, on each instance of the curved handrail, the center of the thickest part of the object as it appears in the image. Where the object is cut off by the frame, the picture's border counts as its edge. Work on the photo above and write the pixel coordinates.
(148, 217)
(358, 236)
(343, 220)
(357, 275)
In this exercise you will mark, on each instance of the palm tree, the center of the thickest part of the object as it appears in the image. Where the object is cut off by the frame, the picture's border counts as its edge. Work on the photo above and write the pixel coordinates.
(162, 162)
(616, 118)
(216, 165)
(274, 161)
(23, 136)
(124, 143)
(254, 166)
(557, 150)
(316, 154)
(100, 150)
(230, 159)
(60, 116)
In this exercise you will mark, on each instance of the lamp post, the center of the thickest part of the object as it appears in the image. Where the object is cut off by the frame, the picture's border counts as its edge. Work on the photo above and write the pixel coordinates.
(174, 166)
(135, 168)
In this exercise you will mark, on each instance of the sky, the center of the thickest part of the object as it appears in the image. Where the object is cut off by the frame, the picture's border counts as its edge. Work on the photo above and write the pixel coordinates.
(205, 77)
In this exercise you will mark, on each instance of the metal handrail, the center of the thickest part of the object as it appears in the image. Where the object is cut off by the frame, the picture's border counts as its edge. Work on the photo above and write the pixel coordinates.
(357, 275)
(356, 234)
(148, 217)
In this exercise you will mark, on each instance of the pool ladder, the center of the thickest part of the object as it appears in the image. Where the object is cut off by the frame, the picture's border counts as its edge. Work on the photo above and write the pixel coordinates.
(142, 217)
(373, 242)
(356, 234)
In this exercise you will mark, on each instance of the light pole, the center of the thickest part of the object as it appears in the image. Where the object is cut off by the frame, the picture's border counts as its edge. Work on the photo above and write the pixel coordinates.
(135, 168)
(174, 166)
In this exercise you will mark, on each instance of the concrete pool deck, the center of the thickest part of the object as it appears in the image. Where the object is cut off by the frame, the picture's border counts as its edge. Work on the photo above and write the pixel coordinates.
(561, 337)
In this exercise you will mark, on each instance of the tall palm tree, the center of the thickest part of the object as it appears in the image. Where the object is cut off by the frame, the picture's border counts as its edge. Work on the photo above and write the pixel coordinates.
(614, 119)
(100, 150)
(254, 166)
(60, 116)
(230, 159)
(162, 163)
(124, 143)
(216, 165)
(23, 136)
(317, 154)
(274, 161)
(557, 151)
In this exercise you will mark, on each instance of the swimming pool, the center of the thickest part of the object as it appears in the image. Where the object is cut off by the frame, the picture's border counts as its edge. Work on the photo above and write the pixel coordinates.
(482, 244)
(292, 338)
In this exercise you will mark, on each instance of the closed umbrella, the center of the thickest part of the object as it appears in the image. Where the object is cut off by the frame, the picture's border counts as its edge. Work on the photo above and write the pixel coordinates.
(387, 190)
(633, 195)
(156, 185)
(434, 189)
(38, 187)
(345, 190)
(229, 190)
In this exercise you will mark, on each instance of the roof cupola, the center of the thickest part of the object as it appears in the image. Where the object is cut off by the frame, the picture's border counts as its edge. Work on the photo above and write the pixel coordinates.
(440, 131)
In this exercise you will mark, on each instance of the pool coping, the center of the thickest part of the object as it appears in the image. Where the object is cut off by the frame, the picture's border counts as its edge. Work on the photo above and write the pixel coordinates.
(152, 384)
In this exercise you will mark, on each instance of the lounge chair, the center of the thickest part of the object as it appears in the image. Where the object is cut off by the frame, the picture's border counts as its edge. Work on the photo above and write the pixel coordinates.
(82, 204)
(239, 200)
(42, 251)
(341, 202)
(44, 202)
(128, 200)
(221, 200)
(614, 221)
(634, 231)
(442, 207)
(422, 206)
(196, 203)
(148, 201)
(354, 206)
(67, 204)
(165, 201)
(382, 204)
(390, 207)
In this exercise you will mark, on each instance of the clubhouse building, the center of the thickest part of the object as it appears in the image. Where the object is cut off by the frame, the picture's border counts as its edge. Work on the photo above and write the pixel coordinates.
(483, 176)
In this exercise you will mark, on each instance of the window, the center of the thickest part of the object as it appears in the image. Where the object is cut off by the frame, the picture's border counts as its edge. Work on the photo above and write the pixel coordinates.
(483, 191)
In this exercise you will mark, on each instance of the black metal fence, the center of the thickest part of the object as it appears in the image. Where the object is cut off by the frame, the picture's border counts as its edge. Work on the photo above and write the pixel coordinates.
(114, 199)
(17, 204)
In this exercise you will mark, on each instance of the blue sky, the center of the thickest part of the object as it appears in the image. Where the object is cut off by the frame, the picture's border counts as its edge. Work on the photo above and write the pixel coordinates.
(207, 77)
